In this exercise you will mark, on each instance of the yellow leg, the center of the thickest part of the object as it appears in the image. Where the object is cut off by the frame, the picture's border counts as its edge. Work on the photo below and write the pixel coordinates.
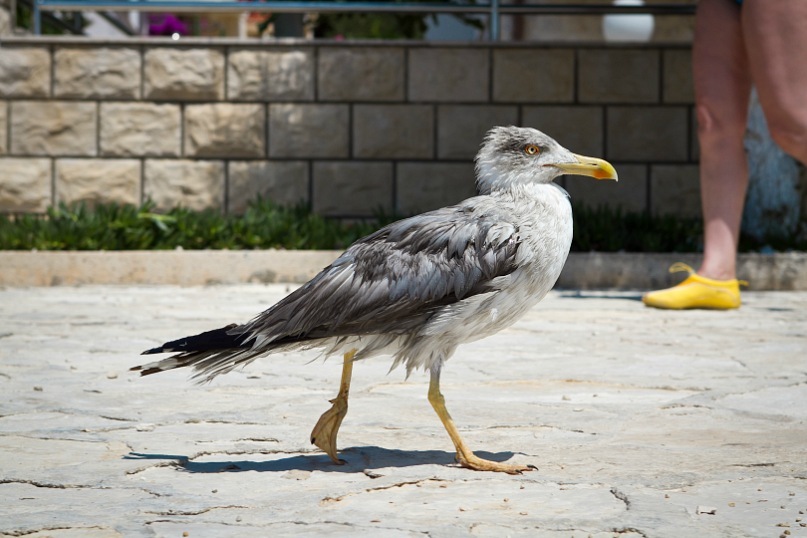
(324, 433)
(465, 456)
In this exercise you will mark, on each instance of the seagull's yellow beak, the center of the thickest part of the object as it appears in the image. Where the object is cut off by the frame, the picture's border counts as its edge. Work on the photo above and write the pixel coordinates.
(589, 166)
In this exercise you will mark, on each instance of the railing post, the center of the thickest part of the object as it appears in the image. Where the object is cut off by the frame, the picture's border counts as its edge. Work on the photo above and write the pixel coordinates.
(493, 20)
(37, 18)
(12, 8)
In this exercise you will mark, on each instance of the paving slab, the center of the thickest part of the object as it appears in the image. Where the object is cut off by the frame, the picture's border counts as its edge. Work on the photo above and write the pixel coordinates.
(642, 423)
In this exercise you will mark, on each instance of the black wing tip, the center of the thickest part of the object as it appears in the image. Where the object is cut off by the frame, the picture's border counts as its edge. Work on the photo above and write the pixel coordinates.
(162, 349)
(205, 339)
(147, 371)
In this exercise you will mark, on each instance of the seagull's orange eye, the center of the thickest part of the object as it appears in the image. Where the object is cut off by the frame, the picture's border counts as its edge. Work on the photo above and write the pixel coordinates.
(532, 149)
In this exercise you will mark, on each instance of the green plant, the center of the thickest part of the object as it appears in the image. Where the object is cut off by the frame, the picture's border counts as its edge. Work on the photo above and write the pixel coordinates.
(69, 22)
(371, 26)
(266, 225)
(125, 227)
(611, 230)
(382, 25)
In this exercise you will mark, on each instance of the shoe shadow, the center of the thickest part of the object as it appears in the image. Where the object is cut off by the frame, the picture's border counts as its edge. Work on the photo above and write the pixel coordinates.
(582, 294)
(355, 460)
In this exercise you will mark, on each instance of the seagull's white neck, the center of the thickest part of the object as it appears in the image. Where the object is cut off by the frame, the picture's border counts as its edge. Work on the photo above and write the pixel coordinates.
(532, 193)
(490, 179)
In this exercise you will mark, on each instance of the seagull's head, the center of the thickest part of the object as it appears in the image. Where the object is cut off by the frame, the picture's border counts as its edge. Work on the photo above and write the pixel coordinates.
(512, 156)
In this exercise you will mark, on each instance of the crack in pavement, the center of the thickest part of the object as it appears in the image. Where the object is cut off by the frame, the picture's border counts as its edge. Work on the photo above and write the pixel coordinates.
(621, 496)
(263, 452)
(678, 405)
(242, 439)
(220, 421)
(118, 419)
(69, 439)
(48, 485)
(25, 532)
(194, 512)
(331, 500)
(537, 426)
(624, 530)
(172, 463)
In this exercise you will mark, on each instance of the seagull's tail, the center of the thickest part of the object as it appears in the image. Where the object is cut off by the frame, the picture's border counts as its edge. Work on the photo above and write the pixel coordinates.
(210, 353)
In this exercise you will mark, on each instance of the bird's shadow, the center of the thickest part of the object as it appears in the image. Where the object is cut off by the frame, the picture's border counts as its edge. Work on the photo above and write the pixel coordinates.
(354, 460)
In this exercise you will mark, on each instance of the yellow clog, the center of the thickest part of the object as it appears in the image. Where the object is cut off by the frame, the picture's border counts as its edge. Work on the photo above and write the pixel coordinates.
(696, 292)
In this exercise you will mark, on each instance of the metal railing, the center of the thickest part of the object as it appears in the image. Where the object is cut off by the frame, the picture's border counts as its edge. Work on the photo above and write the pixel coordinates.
(493, 9)
(74, 26)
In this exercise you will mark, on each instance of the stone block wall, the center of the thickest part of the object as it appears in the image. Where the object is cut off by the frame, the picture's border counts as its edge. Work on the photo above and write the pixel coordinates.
(5, 18)
(350, 128)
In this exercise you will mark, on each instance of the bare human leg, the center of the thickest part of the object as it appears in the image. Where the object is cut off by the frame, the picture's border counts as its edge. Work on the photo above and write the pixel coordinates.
(722, 89)
(775, 39)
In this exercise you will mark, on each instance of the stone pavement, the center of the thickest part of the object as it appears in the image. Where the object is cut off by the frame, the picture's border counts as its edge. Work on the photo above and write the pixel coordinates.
(642, 423)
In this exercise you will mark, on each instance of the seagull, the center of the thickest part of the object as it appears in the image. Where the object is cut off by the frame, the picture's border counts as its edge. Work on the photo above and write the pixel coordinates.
(418, 288)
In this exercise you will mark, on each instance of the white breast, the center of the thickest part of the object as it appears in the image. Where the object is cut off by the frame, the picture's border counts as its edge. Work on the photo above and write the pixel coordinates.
(545, 229)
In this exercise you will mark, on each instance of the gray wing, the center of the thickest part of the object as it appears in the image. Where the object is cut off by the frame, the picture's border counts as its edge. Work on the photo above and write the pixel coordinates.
(396, 278)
